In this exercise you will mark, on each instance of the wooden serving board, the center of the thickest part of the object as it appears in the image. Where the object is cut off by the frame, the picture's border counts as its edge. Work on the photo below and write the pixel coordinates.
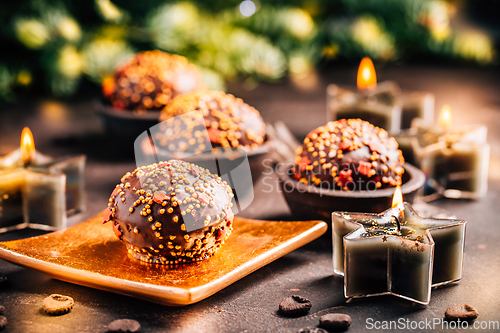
(89, 254)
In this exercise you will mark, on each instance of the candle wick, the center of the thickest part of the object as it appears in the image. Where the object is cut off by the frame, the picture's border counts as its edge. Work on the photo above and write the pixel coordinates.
(26, 161)
(397, 222)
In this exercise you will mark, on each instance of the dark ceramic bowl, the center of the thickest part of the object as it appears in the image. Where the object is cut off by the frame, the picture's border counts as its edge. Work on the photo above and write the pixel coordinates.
(233, 164)
(311, 202)
(124, 126)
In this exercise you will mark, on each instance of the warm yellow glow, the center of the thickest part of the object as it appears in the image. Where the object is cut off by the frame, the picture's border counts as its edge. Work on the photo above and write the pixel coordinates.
(397, 198)
(367, 77)
(27, 146)
(445, 117)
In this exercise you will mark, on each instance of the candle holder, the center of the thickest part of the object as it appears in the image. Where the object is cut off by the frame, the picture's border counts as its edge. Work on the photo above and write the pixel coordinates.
(39, 192)
(396, 252)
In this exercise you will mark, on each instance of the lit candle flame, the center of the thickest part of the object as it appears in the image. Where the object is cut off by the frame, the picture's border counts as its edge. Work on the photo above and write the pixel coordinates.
(445, 117)
(397, 198)
(27, 146)
(367, 77)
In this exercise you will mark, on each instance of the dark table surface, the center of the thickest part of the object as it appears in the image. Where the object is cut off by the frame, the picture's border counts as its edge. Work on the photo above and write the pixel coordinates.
(250, 305)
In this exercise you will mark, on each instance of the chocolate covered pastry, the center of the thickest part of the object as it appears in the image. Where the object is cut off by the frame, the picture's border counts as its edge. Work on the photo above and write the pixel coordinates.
(349, 155)
(230, 122)
(150, 81)
(171, 213)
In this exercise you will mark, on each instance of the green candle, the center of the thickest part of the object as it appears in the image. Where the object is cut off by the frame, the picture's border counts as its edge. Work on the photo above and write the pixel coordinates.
(383, 104)
(379, 106)
(453, 158)
(416, 105)
(396, 252)
(457, 170)
(11, 199)
(37, 191)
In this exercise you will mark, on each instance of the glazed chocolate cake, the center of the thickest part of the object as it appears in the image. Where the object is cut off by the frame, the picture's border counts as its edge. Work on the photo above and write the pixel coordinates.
(230, 121)
(171, 213)
(349, 155)
(150, 80)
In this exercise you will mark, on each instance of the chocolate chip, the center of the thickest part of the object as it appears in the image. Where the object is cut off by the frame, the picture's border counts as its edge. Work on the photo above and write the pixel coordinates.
(2, 309)
(312, 330)
(3, 279)
(3, 322)
(461, 311)
(295, 306)
(124, 325)
(335, 322)
(56, 305)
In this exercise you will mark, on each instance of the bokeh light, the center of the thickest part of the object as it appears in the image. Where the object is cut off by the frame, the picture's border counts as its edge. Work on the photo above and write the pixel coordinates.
(247, 8)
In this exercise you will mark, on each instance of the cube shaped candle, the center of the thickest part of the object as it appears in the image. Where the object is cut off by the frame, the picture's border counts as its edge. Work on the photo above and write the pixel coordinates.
(383, 104)
(453, 158)
(37, 191)
(396, 252)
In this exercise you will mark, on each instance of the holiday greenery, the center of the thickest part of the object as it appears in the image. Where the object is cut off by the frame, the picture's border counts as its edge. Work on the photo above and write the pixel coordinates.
(56, 44)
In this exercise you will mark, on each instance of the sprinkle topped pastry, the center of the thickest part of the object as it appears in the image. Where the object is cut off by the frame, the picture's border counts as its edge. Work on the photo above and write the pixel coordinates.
(150, 80)
(171, 213)
(349, 155)
(230, 121)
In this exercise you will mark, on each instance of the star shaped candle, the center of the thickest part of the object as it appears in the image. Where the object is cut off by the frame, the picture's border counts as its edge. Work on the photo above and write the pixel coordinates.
(396, 252)
(454, 158)
(38, 191)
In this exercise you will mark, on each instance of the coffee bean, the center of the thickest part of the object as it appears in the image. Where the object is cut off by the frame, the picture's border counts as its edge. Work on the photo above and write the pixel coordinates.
(461, 311)
(335, 322)
(124, 325)
(3, 322)
(295, 306)
(56, 305)
(312, 330)
(2, 309)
